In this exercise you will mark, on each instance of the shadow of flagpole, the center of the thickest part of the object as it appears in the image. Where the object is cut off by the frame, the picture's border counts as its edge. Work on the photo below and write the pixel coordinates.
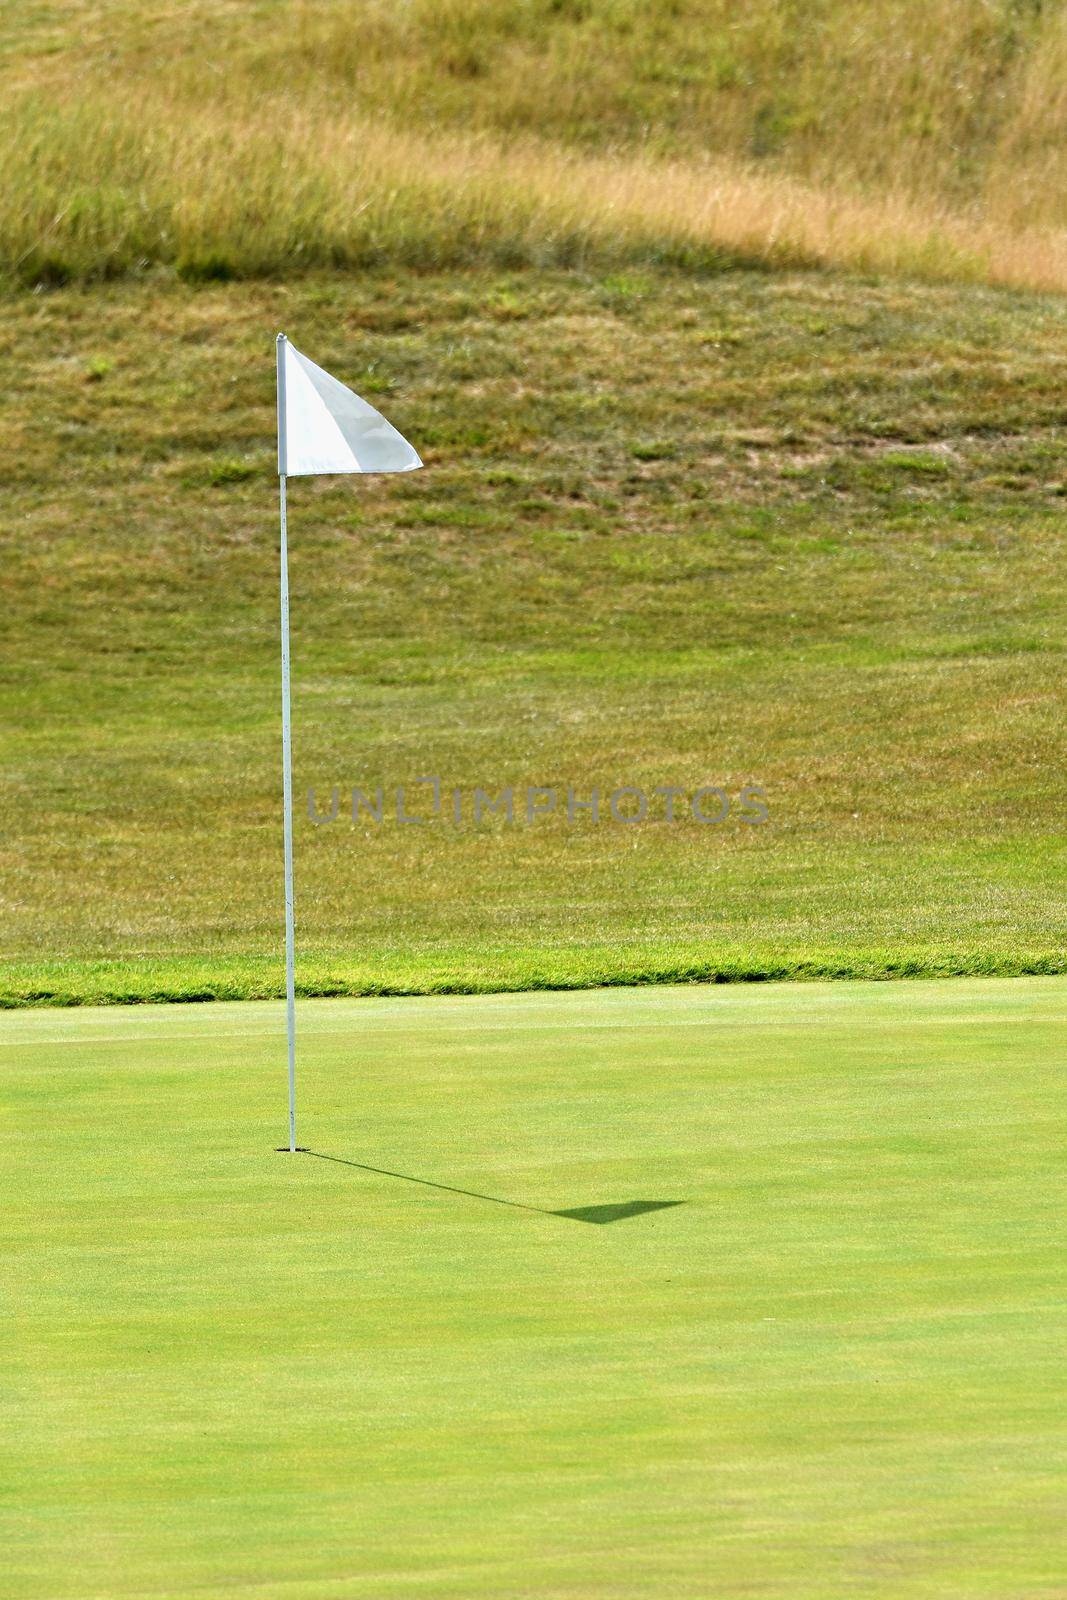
(596, 1214)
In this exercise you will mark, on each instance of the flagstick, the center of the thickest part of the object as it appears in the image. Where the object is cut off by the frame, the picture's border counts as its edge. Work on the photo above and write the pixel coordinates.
(333, 431)
(287, 760)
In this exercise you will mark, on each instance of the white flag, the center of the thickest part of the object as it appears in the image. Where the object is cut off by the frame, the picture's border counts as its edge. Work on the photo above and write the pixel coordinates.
(324, 427)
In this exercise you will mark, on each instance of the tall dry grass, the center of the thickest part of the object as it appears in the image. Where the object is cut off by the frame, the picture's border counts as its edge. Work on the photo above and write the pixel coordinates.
(889, 137)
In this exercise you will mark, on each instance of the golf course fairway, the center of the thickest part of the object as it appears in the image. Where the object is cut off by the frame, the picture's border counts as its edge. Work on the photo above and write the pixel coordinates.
(828, 1362)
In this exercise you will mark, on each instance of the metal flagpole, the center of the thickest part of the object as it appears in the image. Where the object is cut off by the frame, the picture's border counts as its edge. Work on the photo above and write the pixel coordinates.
(287, 759)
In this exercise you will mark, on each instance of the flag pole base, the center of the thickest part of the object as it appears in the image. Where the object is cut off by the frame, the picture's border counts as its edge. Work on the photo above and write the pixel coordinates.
(287, 1150)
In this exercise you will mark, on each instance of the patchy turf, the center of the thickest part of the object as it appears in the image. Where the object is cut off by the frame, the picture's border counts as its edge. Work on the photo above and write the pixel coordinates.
(798, 532)
(739, 1291)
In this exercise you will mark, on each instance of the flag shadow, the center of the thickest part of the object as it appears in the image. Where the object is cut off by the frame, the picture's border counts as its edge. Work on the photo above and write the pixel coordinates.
(617, 1213)
(599, 1215)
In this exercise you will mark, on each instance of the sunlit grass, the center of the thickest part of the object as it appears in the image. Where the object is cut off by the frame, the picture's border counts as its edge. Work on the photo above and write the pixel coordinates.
(497, 133)
(832, 1367)
(788, 529)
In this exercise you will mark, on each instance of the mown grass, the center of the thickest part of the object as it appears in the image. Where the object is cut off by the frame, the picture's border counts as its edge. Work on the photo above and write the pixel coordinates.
(834, 1367)
(792, 531)
(243, 139)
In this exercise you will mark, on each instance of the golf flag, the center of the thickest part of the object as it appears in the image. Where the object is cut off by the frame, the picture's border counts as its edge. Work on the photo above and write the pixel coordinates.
(324, 427)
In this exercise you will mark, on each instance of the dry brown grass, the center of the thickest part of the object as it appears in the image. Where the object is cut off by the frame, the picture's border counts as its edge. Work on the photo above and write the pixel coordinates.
(899, 138)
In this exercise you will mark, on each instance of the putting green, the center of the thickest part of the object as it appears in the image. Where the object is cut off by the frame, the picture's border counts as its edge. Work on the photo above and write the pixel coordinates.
(833, 1366)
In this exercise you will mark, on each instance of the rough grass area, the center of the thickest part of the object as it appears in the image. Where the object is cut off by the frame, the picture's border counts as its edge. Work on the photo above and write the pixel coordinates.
(183, 978)
(239, 139)
(834, 1365)
(794, 532)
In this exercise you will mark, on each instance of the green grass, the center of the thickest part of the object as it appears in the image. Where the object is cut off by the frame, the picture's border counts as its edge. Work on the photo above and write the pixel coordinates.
(835, 1367)
(795, 531)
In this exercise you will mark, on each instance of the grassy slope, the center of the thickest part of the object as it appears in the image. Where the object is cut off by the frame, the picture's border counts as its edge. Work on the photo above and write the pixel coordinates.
(926, 134)
(794, 530)
(836, 1368)
(865, 86)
